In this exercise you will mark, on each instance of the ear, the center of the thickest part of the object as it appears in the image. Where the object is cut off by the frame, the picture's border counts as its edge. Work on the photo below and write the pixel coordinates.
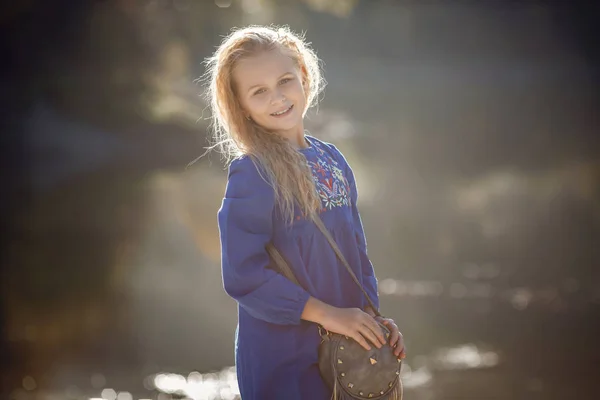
(244, 112)
(246, 115)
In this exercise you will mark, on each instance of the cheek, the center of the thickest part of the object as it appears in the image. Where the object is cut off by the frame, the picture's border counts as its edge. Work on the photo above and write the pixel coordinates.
(256, 105)
(296, 90)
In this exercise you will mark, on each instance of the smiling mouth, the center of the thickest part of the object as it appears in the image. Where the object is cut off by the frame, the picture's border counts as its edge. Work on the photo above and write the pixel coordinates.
(283, 112)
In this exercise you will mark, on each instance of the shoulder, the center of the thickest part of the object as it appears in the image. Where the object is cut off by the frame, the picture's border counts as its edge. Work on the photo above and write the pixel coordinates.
(241, 163)
(246, 167)
(245, 176)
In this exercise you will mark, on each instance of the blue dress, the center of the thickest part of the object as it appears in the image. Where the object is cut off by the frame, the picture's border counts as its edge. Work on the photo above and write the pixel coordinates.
(276, 351)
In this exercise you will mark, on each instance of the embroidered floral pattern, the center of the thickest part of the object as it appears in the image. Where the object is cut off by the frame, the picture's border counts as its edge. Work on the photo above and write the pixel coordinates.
(332, 186)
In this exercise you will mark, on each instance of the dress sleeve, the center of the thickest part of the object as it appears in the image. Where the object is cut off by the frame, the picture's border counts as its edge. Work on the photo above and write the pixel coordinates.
(245, 227)
(369, 279)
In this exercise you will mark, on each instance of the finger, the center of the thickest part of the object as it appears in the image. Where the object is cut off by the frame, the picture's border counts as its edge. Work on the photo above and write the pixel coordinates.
(366, 331)
(397, 343)
(361, 340)
(402, 354)
(400, 348)
(394, 333)
(379, 332)
(376, 329)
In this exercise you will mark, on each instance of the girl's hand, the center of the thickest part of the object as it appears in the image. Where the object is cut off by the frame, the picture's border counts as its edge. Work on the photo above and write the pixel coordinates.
(396, 339)
(354, 323)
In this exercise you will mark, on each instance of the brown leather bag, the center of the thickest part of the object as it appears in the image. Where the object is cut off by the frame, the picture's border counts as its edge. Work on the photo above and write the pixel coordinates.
(352, 372)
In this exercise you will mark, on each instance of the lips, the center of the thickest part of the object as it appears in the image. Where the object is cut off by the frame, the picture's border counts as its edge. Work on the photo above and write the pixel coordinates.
(283, 112)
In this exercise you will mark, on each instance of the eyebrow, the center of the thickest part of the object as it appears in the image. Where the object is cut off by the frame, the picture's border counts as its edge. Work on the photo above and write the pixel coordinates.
(259, 85)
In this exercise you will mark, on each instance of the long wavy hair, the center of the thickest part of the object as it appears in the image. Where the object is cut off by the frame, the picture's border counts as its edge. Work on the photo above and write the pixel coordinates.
(282, 166)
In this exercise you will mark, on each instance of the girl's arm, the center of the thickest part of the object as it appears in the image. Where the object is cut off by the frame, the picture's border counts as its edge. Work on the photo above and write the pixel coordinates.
(351, 322)
(245, 225)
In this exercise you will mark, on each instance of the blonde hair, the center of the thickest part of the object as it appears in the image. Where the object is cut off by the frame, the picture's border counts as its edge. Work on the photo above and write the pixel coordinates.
(285, 168)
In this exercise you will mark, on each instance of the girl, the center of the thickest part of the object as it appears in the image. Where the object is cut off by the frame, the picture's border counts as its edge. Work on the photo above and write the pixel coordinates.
(262, 81)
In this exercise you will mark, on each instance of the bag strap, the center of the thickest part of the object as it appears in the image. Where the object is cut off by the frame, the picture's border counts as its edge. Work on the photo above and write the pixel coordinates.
(339, 254)
(286, 271)
(280, 263)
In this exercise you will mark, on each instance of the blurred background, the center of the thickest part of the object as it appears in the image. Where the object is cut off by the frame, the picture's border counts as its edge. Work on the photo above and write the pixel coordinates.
(472, 128)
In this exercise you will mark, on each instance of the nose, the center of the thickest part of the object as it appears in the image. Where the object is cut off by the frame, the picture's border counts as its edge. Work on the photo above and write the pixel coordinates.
(278, 97)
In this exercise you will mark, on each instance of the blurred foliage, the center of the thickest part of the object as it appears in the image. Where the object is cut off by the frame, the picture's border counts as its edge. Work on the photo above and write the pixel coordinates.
(116, 61)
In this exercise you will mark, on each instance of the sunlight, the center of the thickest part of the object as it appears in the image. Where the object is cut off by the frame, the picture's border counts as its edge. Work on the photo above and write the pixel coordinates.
(221, 385)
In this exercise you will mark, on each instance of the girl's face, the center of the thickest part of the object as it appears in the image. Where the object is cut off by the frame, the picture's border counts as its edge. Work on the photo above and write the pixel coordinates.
(269, 88)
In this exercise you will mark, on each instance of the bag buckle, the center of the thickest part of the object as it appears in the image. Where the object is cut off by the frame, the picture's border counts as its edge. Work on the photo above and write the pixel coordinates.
(321, 330)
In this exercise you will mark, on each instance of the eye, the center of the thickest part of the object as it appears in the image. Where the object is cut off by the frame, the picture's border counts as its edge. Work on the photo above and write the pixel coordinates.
(285, 80)
(260, 91)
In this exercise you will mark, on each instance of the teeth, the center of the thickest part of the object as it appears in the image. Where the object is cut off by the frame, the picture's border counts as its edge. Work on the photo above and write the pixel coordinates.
(282, 112)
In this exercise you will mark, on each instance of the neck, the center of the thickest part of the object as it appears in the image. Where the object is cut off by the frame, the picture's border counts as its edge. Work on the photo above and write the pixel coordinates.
(296, 136)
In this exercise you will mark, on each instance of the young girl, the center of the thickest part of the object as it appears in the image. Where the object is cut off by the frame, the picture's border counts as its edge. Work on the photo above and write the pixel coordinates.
(262, 81)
